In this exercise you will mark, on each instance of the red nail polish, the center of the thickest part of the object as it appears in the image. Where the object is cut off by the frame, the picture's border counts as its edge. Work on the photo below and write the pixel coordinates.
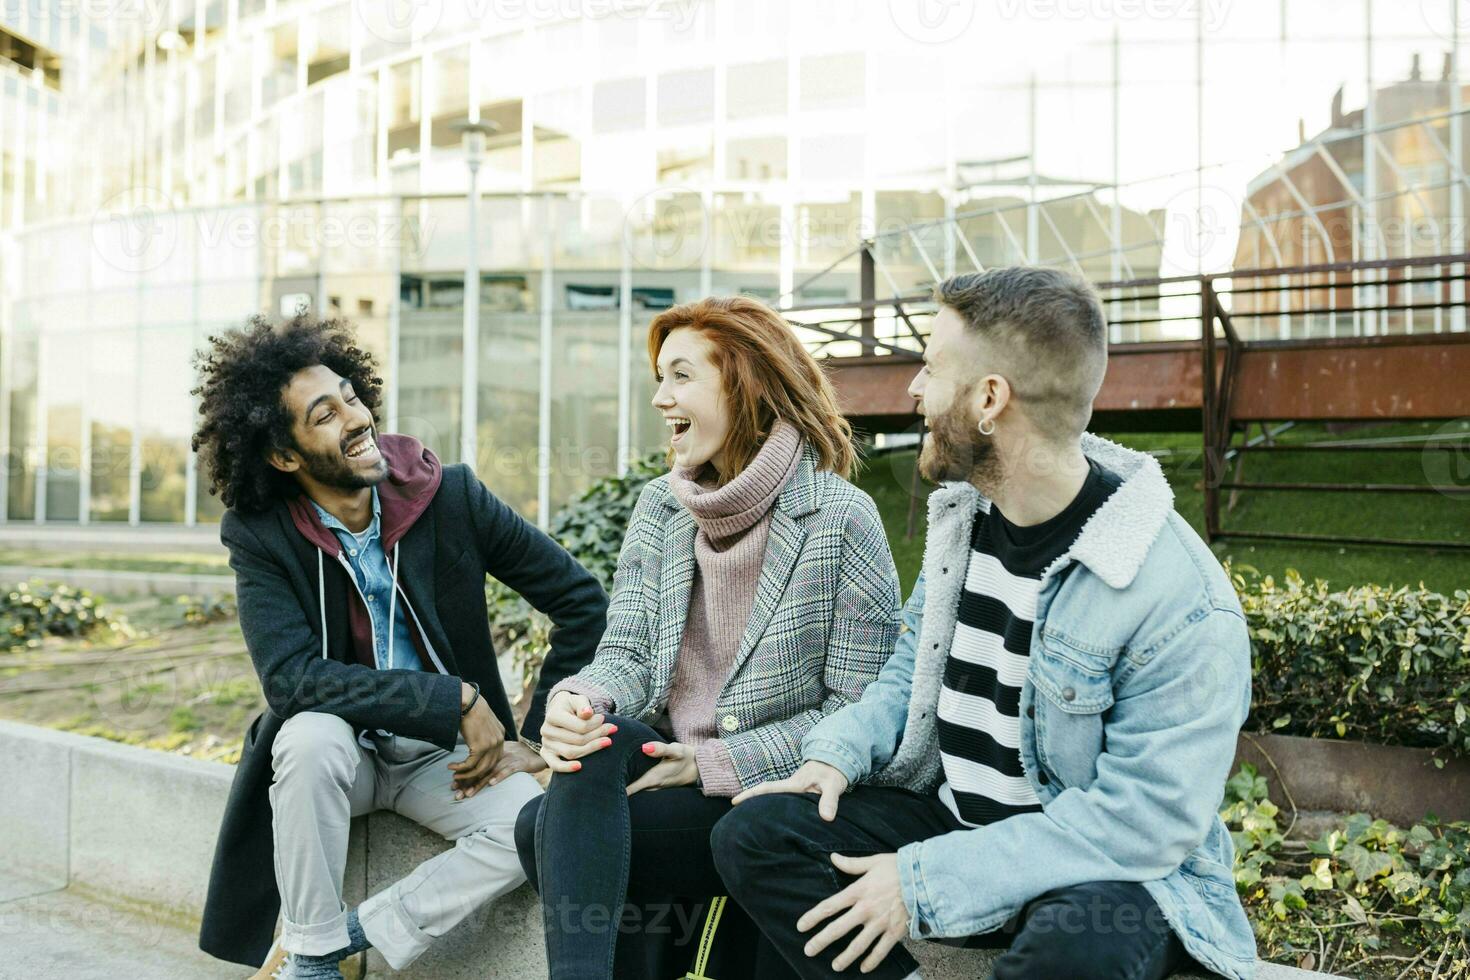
(648, 748)
(576, 766)
(612, 729)
(604, 742)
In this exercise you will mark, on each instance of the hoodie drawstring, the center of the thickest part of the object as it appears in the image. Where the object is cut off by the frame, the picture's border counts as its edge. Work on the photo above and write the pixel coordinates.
(321, 592)
(392, 602)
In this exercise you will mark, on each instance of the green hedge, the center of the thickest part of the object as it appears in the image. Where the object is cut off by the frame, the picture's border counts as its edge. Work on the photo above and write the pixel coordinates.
(1366, 663)
(592, 529)
(1365, 898)
(32, 611)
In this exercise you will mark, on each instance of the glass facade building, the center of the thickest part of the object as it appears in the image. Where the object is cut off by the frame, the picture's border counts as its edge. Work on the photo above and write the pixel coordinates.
(172, 167)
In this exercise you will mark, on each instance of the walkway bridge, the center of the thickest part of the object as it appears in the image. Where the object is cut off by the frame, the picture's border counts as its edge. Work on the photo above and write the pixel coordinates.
(1366, 341)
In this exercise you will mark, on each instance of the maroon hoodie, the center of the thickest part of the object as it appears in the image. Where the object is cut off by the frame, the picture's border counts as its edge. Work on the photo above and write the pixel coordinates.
(414, 473)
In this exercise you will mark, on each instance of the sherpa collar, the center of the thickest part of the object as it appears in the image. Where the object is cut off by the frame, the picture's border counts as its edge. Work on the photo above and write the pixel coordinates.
(1116, 539)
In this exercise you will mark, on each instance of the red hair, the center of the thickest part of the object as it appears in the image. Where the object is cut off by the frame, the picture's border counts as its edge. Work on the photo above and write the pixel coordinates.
(768, 375)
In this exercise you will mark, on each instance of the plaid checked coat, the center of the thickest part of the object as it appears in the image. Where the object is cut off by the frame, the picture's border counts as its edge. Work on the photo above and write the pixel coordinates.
(825, 618)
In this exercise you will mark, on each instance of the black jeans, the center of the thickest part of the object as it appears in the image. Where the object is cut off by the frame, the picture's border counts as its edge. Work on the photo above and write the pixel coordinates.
(774, 855)
(625, 882)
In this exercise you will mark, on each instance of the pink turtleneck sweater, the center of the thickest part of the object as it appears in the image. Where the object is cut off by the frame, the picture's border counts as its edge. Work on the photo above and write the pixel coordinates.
(729, 550)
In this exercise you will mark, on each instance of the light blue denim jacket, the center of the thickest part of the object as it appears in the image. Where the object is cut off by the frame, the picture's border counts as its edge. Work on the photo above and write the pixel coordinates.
(374, 579)
(1139, 680)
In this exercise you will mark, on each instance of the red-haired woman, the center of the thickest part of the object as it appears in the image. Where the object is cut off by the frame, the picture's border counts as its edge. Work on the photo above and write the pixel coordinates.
(755, 594)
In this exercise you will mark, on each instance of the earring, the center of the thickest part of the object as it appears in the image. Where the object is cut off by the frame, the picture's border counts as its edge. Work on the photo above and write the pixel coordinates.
(987, 422)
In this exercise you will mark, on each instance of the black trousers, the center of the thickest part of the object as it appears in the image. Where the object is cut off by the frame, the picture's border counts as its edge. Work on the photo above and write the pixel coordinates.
(774, 853)
(625, 882)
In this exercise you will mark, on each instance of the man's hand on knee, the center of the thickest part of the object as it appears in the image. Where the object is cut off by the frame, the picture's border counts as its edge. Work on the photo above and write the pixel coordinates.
(515, 758)
(873, 905)
(813, 777)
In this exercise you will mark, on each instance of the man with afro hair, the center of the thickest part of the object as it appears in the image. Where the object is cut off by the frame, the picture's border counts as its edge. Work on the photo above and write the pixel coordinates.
(360, 567)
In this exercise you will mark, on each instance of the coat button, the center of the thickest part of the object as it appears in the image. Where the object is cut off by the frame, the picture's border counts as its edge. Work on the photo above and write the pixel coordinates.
(1068, 694)
(1030, 711)
(1041, 778)
(729, 723)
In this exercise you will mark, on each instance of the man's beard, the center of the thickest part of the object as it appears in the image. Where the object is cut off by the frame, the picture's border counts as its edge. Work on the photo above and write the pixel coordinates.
(954, 450)
(333, 470)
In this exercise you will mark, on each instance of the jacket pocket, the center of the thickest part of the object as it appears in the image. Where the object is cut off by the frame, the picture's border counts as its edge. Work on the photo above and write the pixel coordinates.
(1207, 867)
(252, 733)
(1075, 691)
(1211, 902)
(783, 674)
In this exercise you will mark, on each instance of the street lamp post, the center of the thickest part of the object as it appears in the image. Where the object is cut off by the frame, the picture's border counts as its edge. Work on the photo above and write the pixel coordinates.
(474, 135)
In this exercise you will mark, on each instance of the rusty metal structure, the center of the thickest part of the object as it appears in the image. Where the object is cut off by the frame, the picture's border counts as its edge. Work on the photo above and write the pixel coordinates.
(1385, 376)
(1368, 341)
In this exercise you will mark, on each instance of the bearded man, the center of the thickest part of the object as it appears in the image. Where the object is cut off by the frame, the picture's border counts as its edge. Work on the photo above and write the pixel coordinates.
(1039, 767)
(360, 567)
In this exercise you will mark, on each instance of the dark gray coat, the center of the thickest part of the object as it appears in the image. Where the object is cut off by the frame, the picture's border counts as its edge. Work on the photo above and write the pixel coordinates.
(463, 533)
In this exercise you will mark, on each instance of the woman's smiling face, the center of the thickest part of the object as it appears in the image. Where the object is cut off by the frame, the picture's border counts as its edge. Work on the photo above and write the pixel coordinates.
(691, 398)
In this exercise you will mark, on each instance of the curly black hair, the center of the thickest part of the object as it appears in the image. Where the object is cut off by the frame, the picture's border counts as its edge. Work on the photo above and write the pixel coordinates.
(242, 377)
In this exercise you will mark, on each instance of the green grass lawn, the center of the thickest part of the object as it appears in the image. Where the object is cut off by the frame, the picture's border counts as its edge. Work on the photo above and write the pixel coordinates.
(180, 688)
(888, 479)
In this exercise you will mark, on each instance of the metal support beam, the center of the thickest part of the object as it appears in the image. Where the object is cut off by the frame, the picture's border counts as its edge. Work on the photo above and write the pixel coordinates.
(867, 292)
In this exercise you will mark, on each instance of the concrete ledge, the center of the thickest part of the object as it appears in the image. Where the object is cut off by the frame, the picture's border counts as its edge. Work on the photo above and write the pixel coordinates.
(136, 829)
(35, 769)
(112, 536)
(91, 809)
(1394, 782)
(114, 584)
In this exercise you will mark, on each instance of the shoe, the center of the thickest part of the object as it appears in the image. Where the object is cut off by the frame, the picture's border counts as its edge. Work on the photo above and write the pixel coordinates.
(275, 963)
(287, 971)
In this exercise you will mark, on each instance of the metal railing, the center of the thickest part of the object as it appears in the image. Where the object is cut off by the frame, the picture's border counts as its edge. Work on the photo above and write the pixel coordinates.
(1222, 357)
(1212, 323)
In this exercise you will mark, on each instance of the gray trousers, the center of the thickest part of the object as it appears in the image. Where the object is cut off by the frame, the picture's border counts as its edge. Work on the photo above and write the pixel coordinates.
(324, 777)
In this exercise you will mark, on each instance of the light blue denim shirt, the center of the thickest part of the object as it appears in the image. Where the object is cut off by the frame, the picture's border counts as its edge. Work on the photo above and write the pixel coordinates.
(1137, 685)
(369, 563)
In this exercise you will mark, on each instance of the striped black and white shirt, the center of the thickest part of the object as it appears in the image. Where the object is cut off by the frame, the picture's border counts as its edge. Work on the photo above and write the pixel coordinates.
(980, 697)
